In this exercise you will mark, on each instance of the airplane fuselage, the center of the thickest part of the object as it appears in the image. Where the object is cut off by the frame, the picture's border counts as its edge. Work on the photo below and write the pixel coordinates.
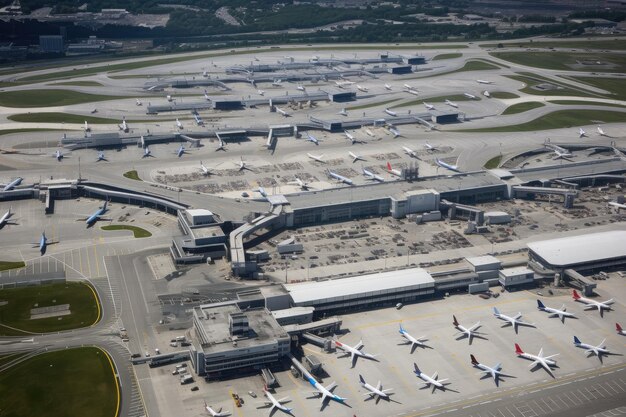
(13, 184)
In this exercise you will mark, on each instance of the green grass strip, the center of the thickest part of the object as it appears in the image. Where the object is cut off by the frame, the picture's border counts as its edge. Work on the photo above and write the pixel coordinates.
(138, 232)
(133, 175)
(81, 83)
(522, 107)
(447, 56)
(583, 103)
(48, 98)
(5, 265)
(503, 95)
(494, 162)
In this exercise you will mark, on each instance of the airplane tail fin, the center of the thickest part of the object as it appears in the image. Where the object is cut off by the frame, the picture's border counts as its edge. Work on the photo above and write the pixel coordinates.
(618, 327)
(361, 379)
(402, 328)
(496, 311)
(540, 305)
(416, 369)
(576, 341)
(388, 166)
(575, 295)
(518, 349)
(454, 320)
(473, 360)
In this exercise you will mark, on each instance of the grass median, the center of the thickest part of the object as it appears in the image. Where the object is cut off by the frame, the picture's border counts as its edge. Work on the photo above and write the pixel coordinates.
(5, 265)
(522, 107)
(133, 175)
(138, 232)
(49, 98)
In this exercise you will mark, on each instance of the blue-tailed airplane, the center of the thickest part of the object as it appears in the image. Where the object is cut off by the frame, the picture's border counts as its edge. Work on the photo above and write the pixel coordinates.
(101, 157)
(326, 393)
(97, 215)
(13, 184)
(447, 166)
(340, 178)
(43, 243)
(413, 341)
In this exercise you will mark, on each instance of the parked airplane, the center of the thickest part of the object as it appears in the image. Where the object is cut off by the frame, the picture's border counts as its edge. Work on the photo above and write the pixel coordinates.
(262, 191)
(352, 138)
(430, 380)
(545, 361)
(101, 157)
(371, 176)
(94, 111)
(147, 153)
(429, 106)
(408, 87)
(591, 304)
(486, 94)
(369, 132)
(312, 138)
(396, 172)
(214, 413)
(377, 392)
(413, 341)
(138, 102)
(317, 158)
(340, 178)
(123, 127)
(179, 125)
(387, 87)
(555, 312)
(326, 393)
(451, 104)
(275, 404)
(261, 92)
(354, 351)
(302, 184)
(221, 146)
(342, 84)
(206, 171)
(409, 152)
(97, 215)
(355, 157)
(601, 132)
(277, 83)
(87, 128)
(5, 219)
(205, 74)
(598, 350)
(170, 98)
(301, 87)
(391, 112)
(619, 329)
(394, 131)
(582, 133)
(242, 164)
(447, 166)
(206, 96)
(484, 82)
(470, 96)
(495, 371)
(13, 184)
(511, 321)
(343, 112)
(361, 88)
(181, 151)
(282, 112)
(198, 120)
(413, 91)
(430, 147)
(60, 155)
(43, 243)
(466, 332)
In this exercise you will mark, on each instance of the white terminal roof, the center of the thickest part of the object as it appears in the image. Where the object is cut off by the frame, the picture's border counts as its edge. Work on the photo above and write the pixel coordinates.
(515, 271)
(346, 288)
(483, 260)
(581, 249)
(199, 212)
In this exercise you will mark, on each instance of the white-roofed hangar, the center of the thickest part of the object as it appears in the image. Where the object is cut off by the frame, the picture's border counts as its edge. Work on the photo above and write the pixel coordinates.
(364, 291)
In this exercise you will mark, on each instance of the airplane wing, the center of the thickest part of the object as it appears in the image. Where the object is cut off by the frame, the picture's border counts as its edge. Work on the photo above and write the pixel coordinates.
(284, 400)
(332, 386)
(353, 358)
(359, 346)
(265, 404)
(474, 327)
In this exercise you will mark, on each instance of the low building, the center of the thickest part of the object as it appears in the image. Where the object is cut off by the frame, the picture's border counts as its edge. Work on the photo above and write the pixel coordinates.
(229, 339)
(497, 217)
(294, 315)
(51, 43)
(512, 277)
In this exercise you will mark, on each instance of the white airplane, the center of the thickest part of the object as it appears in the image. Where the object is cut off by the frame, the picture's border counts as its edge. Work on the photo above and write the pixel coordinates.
(87, 128)
(511, 321)
(206, 171)
(598, 350)
(262, 191)
(483, 82)
(409, 152)
(326, 393)
(342, 84)
(371, 176)
(275, 404)
(582, 133)
(317, 158)
(242, 164)
(469, 332)
(387, 87)
(555, 312)
(13, 184)
(147, 152)
(340, 178)
(430, 147)
(214, 413)
(486, 94)
(261, 92)
(198, 120)
(205, 74)
(138, 102)
(560, 152)
(369, 132)
(394, 131)
(351, 137)
(391, 112)
(601, 132)
(97, 215)
(343, 112)
(60, 155)
(101, 157)
(181, 151)
(591, 304)
(179, 125)
(414, 92)
(429, 106)
(43, 243)
(282, 112)
(413, 341)
(221, 146)
(545, 361)
(495, 372)
(206, 96)
(619, 329)
(356, 157)
(408, 87)
(451, 104)
(312, 138)
(123, 127)
(377, 392)
(301, 87)
(277, 83)
(361, 88)
(430, 380)
(396, 172)
(302, 184)
(170, 98)
(470, 96)
(5, 219)
(354, 351)
(94, 111)
(446, 165)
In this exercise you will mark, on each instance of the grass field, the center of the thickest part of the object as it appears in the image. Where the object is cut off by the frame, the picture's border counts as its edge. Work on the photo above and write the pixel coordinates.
(559, 119)
(4, 265)
(447, 56)
(493, 162)
(84, 307)
(9, 357)
(133, 175)
(475, 65)
(67, 383)
(565, 60)
(561, 90)
(522, 107)
(138, 232)
(57, 117)
(438, 99)
(583, 103)
(47, 98)
(611, 44)
(365, 106)
(503, 95)
(11, 131)
(616, 86)
(81, 83)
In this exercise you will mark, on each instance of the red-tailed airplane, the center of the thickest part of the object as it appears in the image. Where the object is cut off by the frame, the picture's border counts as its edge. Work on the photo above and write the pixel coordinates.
(591, 304)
